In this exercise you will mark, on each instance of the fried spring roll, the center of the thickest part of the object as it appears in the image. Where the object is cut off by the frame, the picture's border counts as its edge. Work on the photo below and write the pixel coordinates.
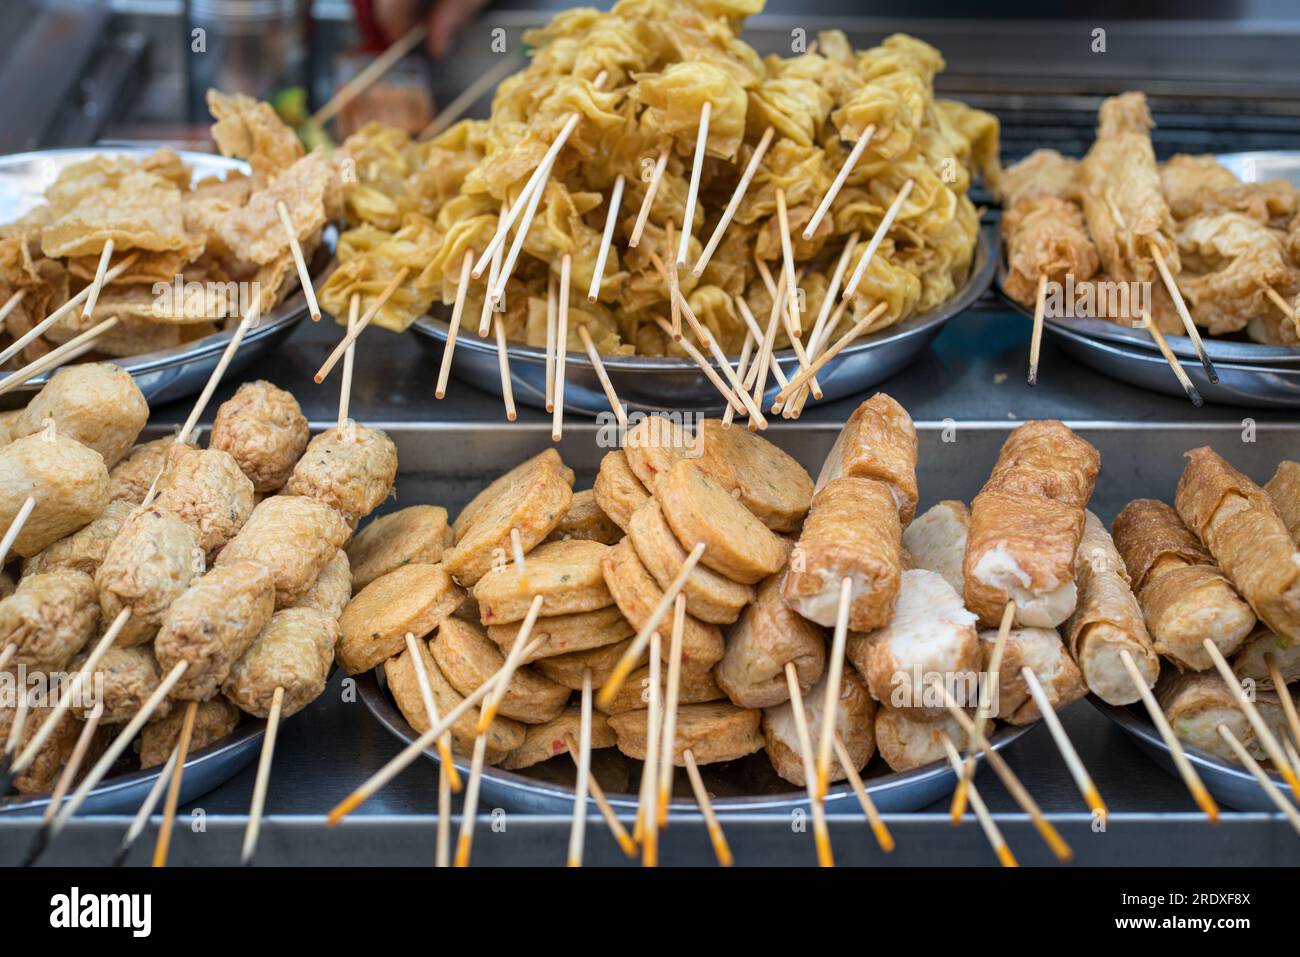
(1238, 523)
(1107, 621)
(877, 442)
(1185, 598)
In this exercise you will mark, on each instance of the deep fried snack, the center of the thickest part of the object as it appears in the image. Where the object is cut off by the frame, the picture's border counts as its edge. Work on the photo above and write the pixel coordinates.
(545, 741)
(40, 776)
(1197, 704)
(696, 686)
(715, 731)
(468, 658)
(855, 724)
(877, 442)
(414, 599)
(96, 403)
(655, 444)
(1044, 457)
(769, 482)
(1042, 652)
(1041, 173)
(49, 617)
(1284, 489)
(568, 635)
(151, 562)
(206, 488)
(1250, 660)
(767, 637)
(213, 720)
(910, 739)
(567, 576)
(568, 669)
(83, 550)
(586, 520)
(352, 472)
(124, 678)
(264, 429)
(295, 537)
(68, 481)
(416, 534)
(936, 541)
(131, 478)
(293, 651)
(1046, 237)
(332, 589)
(505, 485)
(618, 491)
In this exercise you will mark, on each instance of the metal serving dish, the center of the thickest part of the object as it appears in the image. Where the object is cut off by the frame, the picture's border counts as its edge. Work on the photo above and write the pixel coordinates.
(167, 374)
(1231, 784)
(649, 383)
(124, 793)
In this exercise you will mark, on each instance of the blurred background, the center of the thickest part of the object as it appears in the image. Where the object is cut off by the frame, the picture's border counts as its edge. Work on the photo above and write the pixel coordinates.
(1221, 76)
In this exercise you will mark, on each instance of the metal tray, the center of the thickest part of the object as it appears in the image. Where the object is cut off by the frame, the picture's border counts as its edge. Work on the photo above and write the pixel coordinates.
(167, 374)
(124, 793)
(649, 383)
(1231, 784)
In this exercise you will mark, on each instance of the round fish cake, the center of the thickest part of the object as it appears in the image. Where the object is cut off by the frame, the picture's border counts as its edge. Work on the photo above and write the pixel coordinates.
(96, 403)
(567, 634)
(654, 445)
(127, 677)
(855, 723)
(503, 734)
(49, 617)
(544, 741)
(212, 624)
(151, 562)
(293, 651)
(709, 596)
(83, 550)
(131, 478)
(352, 472)
(586, 520)
(208, 491)
(415, 535)
(333, 588)
(567, 669)
(696, 686)
(213, 720)
(68, 481)
(295, 537)
(567, 575)
(532, 502)
(712, 732)
(414, 599)
(618, 491)
(637, 594)
(768, 636)
(698, 509)
(770, 483)
(505, 484)
(909, 739)
(468, 658)
(262, 427)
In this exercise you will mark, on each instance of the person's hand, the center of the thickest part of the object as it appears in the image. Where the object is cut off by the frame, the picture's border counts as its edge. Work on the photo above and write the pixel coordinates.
(444, 18)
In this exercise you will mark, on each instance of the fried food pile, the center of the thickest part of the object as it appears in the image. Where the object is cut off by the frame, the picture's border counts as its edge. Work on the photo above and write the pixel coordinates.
(424, 204)
(201, 238)
(1226, 242)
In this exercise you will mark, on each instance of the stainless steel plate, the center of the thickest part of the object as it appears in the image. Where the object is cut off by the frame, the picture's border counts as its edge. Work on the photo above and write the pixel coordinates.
(169, 373)
(649, 383)
(1230, 784)
(515, 791)
(124, 793)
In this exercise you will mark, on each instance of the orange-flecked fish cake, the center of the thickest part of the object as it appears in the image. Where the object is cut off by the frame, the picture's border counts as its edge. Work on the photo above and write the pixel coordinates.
(544, 741)
(505, 484)
(414, 598)
(736, 544)
(654, 445)
(567, 669)
(637, 594)
(697, 686)
(770, 483)
(468, 658)
(566, 575)
(568, 634)
(418, 534)
(618, 491)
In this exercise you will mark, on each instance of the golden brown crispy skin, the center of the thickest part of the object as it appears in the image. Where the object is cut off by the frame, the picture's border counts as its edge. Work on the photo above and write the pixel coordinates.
(770, 483)
(1045, 457)
(295, 537)
(352, 472)
(294, 651)
(332, 589)
(1238, 522)
(716, 731)
(1045, 236)
(68, 481)
(414, 599)
(206, 488)
(128, 676)
(49, 617)
(131, 478)
(1184, 179)
(567, 575)
(568, 669)
(1184, 605)
(877, 442)
(852, 531)
(1196, 703)
(1148, 533)
(418, 533)
(544, 741)
(618, 491)
(1229, 261)
(567, 635)
(96, 403)
(906, 740)
(213, 720)
(697, 686)
(468, 658)
(264, 429)
(1041, 173)
(504, 484)
(83, 550)
(1284, 489)
(855, 724)
(151, 562)
(767, 636)
(1042, 652)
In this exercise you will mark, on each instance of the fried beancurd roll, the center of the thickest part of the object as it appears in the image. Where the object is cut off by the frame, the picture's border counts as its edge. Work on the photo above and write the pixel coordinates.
(1184, 597)
(877, 442)
(1041, 173)
(1044, 457)
(1196, 703)
(206, 488)
(908, 739)
(1042, 652)
(1238, 523)
(855, 723)
(127, 677)
(851, 532)
(766, 637)
(1250, 660)
(1107, 621)
(1284, 489)
(39, 776)
(1045, 237)
(264, 429)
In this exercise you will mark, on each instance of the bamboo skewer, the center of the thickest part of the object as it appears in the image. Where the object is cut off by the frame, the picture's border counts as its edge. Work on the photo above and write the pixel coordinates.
(756, 333)
(705, 366)
(741, 366)
(606, 239)
(511, 665)
(16, 527)
(883, 837)
(431, 711)
(820, 362)
(652, 187)
(1288, 705)
(577, 831)
(1082, 779)
(1170, 358)
(146, 809)
(254, 828)
(674, 289)
(368, 76)
(364, 321)
(1265, 782)
(561, 348)
(485, 315)
(31, 334)
(468, 97)
(97, 283)
(442, 845)
(304, 277)
(1180, 305)
(834, 682)
(638, 646)
(987, 823)
(721, 849)
(1036, 337)
(647, 813)
(10, 305)
(15, 737)
(503, 362)
(706, 338)
(670, 708)
(1195, 786)
(606, 809)
(1262, 731)
(1276, 298)
(693, 191)
(469, 810)
(249, 321)
(787, 254)
(552, 308)
(76, 346)
(795, 342)
(821, 835)
(876, 238)
(739, 194)
(164, 842)
(765, 352)
(615, 406)
(992, 680)
(838, 183)
(535, 182)
(349, 360)
(497, 286)
(457, 311)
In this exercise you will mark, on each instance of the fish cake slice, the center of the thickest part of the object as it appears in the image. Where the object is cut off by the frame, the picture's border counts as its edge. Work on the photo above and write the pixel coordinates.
(468, 658)
(713, 732)
(415, 535)
(736, 543)
(566, 634)
(414, 599)
(503, 484)
(618, 491)
(566, 574)
(654, 445)
(697, 686)
(567, 669)
(544, 741)
(585, 519)
(770, 483)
